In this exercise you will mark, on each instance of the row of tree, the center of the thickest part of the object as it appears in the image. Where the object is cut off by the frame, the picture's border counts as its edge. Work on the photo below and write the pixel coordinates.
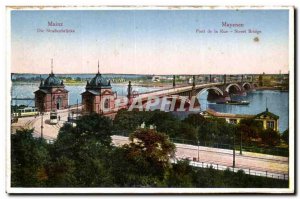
(197, 128)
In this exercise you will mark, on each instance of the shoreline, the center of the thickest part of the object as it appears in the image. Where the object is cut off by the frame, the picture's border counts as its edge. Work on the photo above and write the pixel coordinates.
(154, 85)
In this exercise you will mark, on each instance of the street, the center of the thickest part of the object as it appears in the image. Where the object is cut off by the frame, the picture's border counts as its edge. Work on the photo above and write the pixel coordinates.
(224, 157)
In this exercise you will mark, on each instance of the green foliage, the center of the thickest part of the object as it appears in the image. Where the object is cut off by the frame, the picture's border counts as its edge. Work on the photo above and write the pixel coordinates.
(28, 159)
(285, 136)
(250, 129)
(128, 121)
(61, 172)
(181, 175)
(186, 131)
(83, 150)
(216, 130)
(193, 128)
(96, 127)
(270, 137)
(83, 156)
(195, 120)
(151, 145)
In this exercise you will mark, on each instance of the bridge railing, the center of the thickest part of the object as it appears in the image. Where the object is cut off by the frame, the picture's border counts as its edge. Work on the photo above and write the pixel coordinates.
(250, 170)
(189, 84)
(166, 88)
(253, 148)
(179, 87)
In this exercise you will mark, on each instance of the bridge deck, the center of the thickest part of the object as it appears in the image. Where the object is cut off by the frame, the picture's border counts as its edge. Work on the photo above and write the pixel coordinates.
(176, 90)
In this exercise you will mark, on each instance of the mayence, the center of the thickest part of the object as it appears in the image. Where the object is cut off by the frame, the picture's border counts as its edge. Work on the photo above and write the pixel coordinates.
(231, 25)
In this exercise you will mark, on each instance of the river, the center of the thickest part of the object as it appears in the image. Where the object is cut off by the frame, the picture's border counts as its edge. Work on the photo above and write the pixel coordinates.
(277, 102)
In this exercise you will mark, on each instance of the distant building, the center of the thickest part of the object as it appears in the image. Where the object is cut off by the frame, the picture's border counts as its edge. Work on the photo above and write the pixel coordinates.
(97, 90)
(51, 95)
(155, 79)
(268, 119)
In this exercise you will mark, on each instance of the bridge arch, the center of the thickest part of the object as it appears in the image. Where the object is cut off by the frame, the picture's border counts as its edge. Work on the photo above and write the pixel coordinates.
(215, 89)
(234, 85)
(247, 86)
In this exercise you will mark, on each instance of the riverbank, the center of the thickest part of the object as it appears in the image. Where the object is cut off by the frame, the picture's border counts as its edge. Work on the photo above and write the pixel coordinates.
(83, 83)
(271, 88)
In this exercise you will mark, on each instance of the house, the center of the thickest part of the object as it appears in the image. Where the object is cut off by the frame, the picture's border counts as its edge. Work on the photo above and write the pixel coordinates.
(268, 119)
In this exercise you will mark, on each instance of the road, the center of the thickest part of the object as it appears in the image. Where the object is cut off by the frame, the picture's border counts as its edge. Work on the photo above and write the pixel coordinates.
(224, 157)
(249, 160)
(50, 132)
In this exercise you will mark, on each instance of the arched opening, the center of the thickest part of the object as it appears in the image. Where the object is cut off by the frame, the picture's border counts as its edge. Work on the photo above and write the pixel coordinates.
(212, 92)
(233, 89)
(106, 104)
(58, 103)
(209, 95)
(246, 86)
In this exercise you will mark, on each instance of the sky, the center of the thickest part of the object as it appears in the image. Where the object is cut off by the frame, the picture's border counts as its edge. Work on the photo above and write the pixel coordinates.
(150, 41)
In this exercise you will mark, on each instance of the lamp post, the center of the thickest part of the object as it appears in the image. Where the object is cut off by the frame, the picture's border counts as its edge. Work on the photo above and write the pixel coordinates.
(241, 144)
(42, 125)
(233, 160)
(198, 149)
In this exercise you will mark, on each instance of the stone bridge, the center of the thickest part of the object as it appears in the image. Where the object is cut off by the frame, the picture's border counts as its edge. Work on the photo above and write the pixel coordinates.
(220, 91)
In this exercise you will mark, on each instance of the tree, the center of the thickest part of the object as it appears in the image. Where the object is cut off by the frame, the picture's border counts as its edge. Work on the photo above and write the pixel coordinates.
(149, 153)
(159, 118)
(28, 158)
(249, 129)
(181, 175)
(61, 172)
(270, 137)
(96, 127)
(127, 121)
(80, 154)
(187, 131)
(195, 120)
(155, 146)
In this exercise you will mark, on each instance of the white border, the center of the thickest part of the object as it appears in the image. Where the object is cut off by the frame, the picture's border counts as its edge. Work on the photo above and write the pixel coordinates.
(153, 190)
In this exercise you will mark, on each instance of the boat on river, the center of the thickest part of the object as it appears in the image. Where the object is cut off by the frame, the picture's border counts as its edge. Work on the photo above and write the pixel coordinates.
(234, 102)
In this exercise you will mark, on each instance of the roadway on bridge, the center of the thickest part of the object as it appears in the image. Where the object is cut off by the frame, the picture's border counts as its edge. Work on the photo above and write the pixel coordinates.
(176, 90)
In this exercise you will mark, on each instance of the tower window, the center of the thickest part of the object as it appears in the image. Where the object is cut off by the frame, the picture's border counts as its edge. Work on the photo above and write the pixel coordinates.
(106, 103)
(233, 121)
(270, 124)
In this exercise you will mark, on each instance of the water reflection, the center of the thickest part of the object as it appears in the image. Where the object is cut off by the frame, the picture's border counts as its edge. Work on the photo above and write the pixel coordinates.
(277, 103)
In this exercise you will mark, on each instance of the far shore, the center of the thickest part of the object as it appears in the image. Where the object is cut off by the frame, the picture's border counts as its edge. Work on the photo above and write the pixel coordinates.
(140, 84)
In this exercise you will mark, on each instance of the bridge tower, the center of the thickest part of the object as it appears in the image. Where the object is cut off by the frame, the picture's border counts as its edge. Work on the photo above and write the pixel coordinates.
(242, 78)
(224, 79)
(52, 94)
(209, 78)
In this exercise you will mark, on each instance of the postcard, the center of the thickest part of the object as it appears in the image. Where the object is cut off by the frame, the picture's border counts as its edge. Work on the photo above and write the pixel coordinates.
(150, 100)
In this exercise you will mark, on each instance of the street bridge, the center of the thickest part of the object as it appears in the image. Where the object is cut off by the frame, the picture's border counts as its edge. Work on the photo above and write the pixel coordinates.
(216, 90)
